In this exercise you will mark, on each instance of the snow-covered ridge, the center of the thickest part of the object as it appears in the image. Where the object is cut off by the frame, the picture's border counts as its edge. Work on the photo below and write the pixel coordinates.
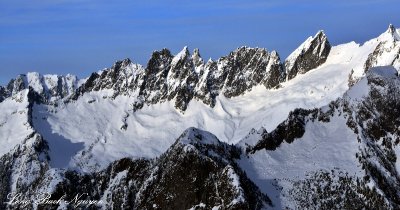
(387, 52)
(357, 134)
(50, 87)
(395, 33)
(14, 121)
(151, 129)
(231, 75)
(179, 78)
(309, 55)
(118, 118)
(185, 76)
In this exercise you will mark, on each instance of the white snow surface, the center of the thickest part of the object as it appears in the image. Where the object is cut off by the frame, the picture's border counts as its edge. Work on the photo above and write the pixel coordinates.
(43, 83)
(234, 179)
(180, 56)
(298, 51)
(94, 120)
(88, 134)
(324, 146)
(290, 60)
(14, 126)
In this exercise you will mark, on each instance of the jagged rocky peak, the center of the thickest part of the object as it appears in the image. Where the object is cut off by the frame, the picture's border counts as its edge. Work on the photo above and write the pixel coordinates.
(182, 64)
(309, 55)
(393, 32)
(49, 87)
(197, 60)
(155, 76)
(369, 111)
(182, 56)
(17, 84)
(23, 169)
(387, 52)
(159, 60)
(247, 67)
(193, 136)
(197, 172)
(157, 70)
(122, 77)
(390, 35)
(204, 171)
(166, 77)
(391, 29)
(182, 79)
(120, 65)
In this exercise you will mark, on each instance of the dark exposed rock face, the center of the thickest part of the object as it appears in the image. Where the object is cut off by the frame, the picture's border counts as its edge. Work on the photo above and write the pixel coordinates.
(3, 94)
(121, 78)
(387, 51)
(198, 170)
(374, 118)
(246, 67)
(169, 78)
(340, 191)
(184, 77)
(17, 84)
(180, 78)
(288, 131)
(49, 87)
(238, 72)
(203, 170)
(23, 168)
(311, 54)
(378, 119)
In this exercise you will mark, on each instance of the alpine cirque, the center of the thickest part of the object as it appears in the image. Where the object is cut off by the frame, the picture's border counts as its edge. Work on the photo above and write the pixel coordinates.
(250, 130)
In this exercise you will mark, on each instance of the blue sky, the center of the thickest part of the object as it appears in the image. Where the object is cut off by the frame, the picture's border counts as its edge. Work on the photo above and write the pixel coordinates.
(83, 36)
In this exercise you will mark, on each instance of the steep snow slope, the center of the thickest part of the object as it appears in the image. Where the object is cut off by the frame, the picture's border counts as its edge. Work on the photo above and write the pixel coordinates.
(113, 131)
(14, 121)
(196, 171)
(309, 55)
(347, 149)
(115, 128)
(356, 135)
(324, 146)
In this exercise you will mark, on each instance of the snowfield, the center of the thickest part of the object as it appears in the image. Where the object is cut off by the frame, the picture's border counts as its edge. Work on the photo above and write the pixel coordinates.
(152, 129)
(86, 135)
(14, 126)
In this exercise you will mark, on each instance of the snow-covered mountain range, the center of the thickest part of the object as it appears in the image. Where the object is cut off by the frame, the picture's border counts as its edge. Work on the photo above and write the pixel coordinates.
(318, 130)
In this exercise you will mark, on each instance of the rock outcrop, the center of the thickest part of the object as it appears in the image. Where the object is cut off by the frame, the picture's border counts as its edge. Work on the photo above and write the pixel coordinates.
(373, 115)
(198, 171)
(180, 78)
(309, 55)
(387, 51)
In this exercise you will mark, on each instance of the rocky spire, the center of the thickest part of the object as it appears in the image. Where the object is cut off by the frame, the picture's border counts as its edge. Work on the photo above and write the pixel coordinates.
(185, 76)
(387, 51)
(197, 60)
(182, 79)
(391, 29)
(309, 55)
(393, 32)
